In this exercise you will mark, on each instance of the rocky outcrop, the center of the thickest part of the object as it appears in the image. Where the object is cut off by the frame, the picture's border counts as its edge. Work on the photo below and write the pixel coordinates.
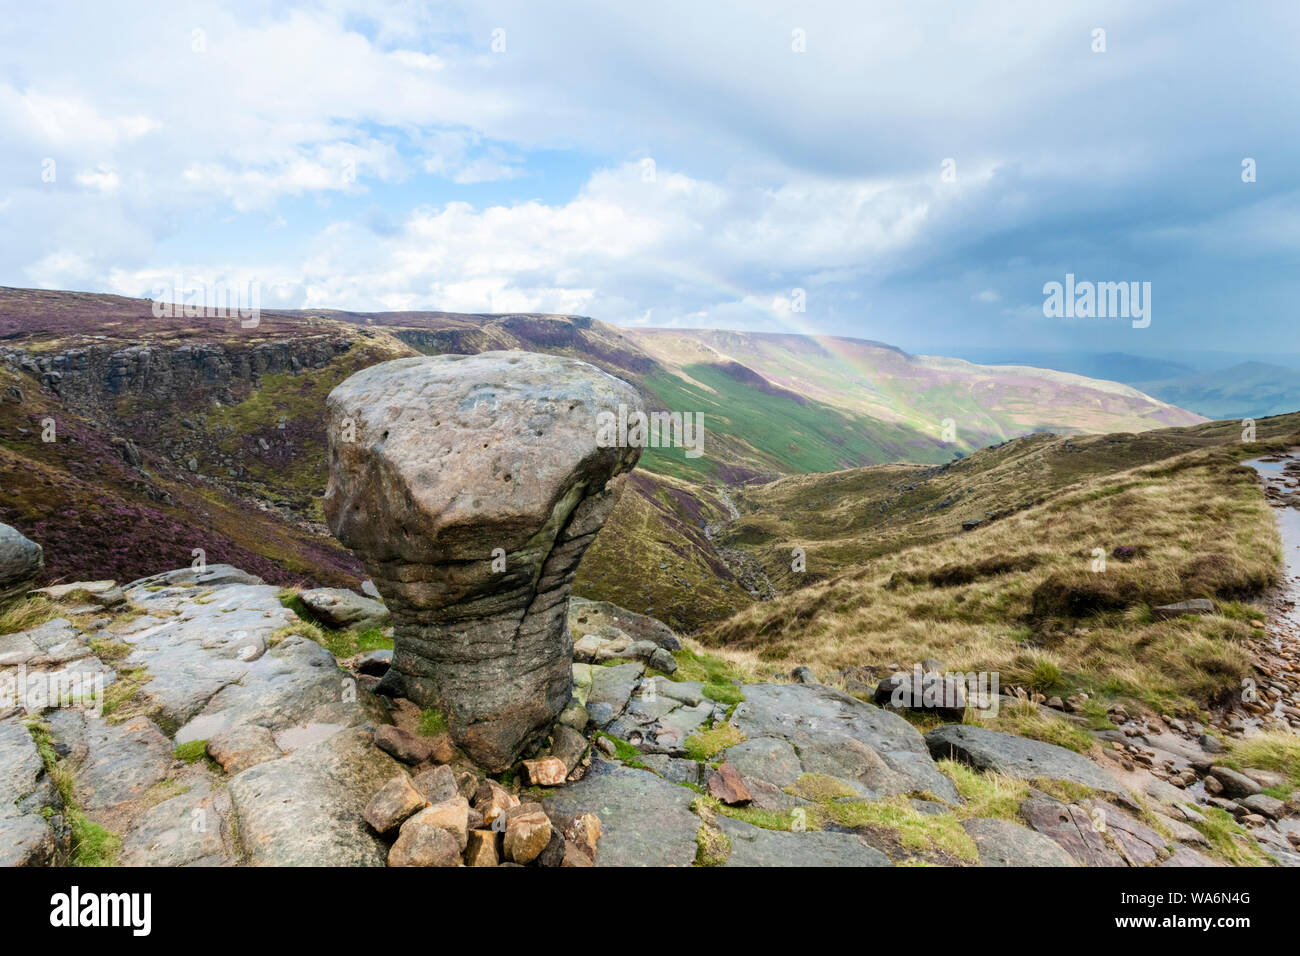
(21, 560)
(305, 768)
(27, 838)
(587, 617)
(341, 608)
(91, 375)
(812, 729)
(1020, 757)
(754, 846)
(306, 809)
(470, 486)
(1003, 843)
(647, 821)
(198, 662)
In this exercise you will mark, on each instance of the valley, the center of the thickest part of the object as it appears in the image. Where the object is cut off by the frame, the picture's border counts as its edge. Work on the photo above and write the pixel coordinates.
(180, 416)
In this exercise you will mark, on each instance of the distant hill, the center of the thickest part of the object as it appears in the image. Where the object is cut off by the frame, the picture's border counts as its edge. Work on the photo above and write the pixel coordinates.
(904, 394)
(1244, 387)
(1111, 366)
(1246, 390)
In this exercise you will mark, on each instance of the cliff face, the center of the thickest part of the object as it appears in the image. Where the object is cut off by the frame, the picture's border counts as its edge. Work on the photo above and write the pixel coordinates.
(124, 457)
(94, 376)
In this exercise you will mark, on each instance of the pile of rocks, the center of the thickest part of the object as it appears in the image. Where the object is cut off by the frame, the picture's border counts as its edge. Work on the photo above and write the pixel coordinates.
(443, 811)
(441, 818)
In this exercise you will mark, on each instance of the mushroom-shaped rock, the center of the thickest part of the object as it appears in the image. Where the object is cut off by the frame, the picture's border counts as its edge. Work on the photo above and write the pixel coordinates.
(470, 486)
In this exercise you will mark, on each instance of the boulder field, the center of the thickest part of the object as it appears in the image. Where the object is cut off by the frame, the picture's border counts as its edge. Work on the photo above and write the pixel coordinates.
(226, 735)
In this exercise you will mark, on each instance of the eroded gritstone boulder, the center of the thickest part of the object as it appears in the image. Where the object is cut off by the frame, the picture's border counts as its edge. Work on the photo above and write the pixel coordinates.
(470, 486)
(21, 560)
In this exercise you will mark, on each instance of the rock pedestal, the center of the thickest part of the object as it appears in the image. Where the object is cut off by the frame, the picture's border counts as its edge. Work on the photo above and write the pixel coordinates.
(470, 486)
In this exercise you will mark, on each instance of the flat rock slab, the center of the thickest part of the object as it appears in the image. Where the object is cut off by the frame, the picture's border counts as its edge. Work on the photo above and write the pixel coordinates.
(1018, 757)
(1186, 856)
(54, 641)
(676, 769)
(305, 809)
(212, 575)
(767, 758)
(243, 746)
(1073, 829)
(1264, 805)
(25, 840)
(296, 682)
(209, 644)
(755, 846)
(20, 763)
(689, 692)
(98, 593)
(190, 829)
(25, 836)
(876, 752)
(304, 735)
(645, 821)
(1003, 843)
(658, 723)
(611, 688)
(609, 644)
(340, 608)
(123, 761)
(1137, 842)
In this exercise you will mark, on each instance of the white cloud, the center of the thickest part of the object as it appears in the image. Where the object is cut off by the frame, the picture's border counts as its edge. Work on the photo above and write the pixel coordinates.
(101, 178)
(773, 169)
(59, 270)
(675, 241)
(61, 121)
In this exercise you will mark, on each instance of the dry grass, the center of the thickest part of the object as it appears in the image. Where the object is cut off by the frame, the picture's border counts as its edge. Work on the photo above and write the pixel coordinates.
(1278, 751)
(1024, 719)
(846, 518)
(986, 793)
(1032, 608)
(26, 613)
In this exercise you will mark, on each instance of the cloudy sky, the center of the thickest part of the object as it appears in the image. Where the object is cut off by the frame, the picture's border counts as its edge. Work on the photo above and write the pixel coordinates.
(917, 170)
